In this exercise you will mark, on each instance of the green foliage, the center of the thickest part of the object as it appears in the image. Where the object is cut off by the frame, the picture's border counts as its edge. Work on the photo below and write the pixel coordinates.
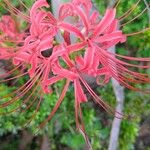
(129, 131)
(6, 122)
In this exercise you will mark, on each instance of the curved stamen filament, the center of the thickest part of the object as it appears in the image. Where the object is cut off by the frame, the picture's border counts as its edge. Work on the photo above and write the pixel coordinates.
(29, 84)
(14, 77)
(136, 33)
(24, 102)
(123, 63)
(21, 94)
(147, 59)
(117, 4)
(33, 101)
(107, 54)
(133, 18)
(24, 5)
(14, 10)
(37, 109)
(82, 130)
(119, 66)
(38, 105)
(130, 76)
(120, 73)
(80, 126)
(105, 106)
(9, 72)
(56, 105)
(126, 14)
(17, 91)
(121, 80)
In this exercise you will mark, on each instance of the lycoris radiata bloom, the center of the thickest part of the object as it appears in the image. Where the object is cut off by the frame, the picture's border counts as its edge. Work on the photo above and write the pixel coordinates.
(36, 52)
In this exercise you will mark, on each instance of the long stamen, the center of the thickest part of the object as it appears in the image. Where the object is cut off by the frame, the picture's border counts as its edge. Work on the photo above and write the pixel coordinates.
(138, 32)
(82, 129)
(117, 4)
(141, 77)
(121, 77)
(10, 72)
(103, 54)
(15, 11)
(18, 90)
(120, 67)
(16, 98)
(76, 113)
(105, 106)
(128, 75)
(23, 92)
(147, 59)
(34, 114)
(24, 5)
(130, 86)
(133, 18)
(126, 14)
(33, 101)
(23, 103)
(20, 75)
(56, 105)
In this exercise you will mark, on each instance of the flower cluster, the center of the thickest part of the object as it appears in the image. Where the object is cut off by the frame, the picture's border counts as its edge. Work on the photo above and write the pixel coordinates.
(83, 50)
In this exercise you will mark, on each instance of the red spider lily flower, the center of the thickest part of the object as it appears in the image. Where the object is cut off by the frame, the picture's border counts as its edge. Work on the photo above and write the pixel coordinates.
(9, 31)
(9, 34)
(8, 26)
(93, 37)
